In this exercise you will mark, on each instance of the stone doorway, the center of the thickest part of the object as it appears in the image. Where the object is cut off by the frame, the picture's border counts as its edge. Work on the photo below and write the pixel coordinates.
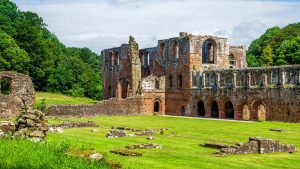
(201, 109)
(214, 109)
(229, 111)
(156, 107)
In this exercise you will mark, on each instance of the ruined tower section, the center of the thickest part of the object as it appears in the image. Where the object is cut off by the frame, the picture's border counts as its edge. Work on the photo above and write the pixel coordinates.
(237, 57)
(136, 73)
(16, 92)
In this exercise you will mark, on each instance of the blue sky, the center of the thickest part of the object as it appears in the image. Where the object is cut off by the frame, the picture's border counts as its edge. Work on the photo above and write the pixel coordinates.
(100, 24)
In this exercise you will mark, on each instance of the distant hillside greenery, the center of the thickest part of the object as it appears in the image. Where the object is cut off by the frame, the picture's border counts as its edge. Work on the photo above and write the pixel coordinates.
(26, 46)
(277, 46)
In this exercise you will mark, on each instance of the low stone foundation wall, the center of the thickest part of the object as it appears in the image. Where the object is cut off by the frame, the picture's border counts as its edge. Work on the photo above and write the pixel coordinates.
(129, 106)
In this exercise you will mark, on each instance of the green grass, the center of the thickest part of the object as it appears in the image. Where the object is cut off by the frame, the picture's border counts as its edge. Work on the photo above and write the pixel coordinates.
(52, 98)
(17, 154)
(182, 150)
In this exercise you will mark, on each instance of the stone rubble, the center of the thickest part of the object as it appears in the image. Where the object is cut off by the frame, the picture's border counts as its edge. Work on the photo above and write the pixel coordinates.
(144, 133)
(257, 145)
(125, 152)
(278, 130)
(116, 133)
(75, 124)
(145, 146)
(214, 145)
(96, 156)
(32, 125)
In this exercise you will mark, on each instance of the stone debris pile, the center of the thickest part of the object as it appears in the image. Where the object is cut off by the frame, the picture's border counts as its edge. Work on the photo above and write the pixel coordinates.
(145, 146)
(215, 145)
(75, 124)
(118, 131)
(31, 124)
(125, 152)
(257, 145)
(6, 127)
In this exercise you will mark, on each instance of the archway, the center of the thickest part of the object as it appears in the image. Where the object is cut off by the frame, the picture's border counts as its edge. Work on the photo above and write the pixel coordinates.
(5, 86)
(208, 51)
(156, 107)
(200, 108)
(246, 113)
(229, 111)
(124, 89)
(214, 109)
(258, 111)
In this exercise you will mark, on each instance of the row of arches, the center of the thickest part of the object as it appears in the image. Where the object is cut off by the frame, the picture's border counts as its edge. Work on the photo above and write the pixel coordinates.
(229, 110)
(257, 110)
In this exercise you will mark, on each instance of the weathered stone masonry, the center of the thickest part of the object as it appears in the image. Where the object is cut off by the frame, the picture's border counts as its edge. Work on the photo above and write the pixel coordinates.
(193, 75)
(16, 90)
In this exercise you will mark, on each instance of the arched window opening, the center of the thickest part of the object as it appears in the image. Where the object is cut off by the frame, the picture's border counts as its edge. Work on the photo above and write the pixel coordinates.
(111, 58)
(214, 109)
(124, 89)
(232, 60)
(208, 51)
(156, 84)
(175, 49)
(180, 81)
(5, 86)
(156, 106)
(229, 111)
(109, 91)
(170, 81)
(201, 108)
(116, 59)
(162, 50)
(182, 110)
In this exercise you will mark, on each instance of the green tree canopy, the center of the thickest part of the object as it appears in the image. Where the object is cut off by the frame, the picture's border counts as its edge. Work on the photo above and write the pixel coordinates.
(276, 47)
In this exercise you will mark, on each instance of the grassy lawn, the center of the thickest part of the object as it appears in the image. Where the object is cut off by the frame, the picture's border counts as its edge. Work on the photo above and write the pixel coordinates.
(182, 150)
(52, 98)
(28, 155)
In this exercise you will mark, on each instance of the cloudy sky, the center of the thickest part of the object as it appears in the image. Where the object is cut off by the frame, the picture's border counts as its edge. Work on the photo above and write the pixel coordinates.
(100, 24)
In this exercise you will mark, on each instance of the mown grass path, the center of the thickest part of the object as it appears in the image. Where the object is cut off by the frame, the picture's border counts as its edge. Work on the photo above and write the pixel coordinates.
(181, 142)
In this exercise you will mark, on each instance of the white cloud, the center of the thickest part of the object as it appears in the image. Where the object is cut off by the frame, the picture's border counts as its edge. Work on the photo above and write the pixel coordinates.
(100, 24)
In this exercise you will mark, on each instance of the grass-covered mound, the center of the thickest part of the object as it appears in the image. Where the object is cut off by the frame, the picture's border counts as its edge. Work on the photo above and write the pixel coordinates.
(17, 154)
(53, 98)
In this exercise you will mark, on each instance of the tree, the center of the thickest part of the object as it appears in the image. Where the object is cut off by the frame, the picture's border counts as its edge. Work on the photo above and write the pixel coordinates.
(11, 56)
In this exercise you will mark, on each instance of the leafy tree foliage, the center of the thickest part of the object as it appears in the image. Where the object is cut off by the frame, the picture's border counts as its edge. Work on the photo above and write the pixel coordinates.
(27, 46)
(276, 47)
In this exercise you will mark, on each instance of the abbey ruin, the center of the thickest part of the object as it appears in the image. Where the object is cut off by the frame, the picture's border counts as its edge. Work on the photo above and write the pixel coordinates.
(203, 76)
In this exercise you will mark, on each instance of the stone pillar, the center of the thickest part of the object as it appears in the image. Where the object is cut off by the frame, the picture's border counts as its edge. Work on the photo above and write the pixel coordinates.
(222, 112)
(248, 80)
(265, 80)
(218, 80)
(282, 78)
(234, 80)
(203, 80)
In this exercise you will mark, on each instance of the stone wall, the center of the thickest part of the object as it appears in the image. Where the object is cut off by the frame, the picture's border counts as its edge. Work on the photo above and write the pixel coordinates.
(129, 106)
(270, 93)
(20, 90)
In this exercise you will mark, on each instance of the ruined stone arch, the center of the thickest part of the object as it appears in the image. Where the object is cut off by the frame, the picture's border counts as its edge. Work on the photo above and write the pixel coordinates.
(258, 110)
(201, 108)
(157, 106)
(214, 109)
(5, 85)
(209, 51)
(229, 109)
(175, 49)
(180, 81)
(123, 86)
